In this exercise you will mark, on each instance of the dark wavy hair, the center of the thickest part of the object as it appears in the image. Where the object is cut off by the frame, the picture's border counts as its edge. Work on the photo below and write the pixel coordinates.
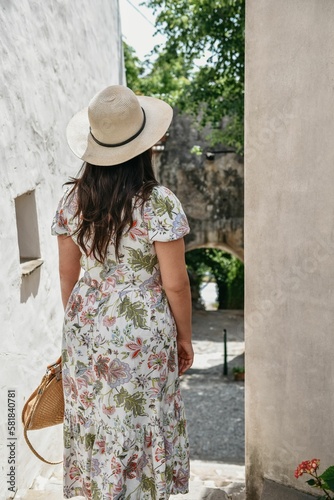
(105, 197)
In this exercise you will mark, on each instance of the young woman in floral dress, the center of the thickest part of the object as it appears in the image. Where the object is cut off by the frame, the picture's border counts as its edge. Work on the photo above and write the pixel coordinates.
(125, 290)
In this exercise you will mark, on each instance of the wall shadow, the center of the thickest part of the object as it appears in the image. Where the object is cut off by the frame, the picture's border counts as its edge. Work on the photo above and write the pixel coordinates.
(29, 285)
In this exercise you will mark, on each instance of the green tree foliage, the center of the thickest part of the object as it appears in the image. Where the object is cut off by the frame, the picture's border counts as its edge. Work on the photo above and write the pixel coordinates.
(213, 88)
(227, 271)
(134, 68)
(161, 78)
(235, 284)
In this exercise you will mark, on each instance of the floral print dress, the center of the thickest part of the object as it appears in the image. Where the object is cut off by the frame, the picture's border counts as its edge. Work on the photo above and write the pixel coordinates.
(125, 434)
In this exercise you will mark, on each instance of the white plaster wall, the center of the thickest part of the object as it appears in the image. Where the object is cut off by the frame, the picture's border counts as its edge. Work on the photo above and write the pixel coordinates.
(289, 238)
(55, 55)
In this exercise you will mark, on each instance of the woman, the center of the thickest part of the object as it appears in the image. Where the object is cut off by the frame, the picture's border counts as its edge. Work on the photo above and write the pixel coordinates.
(127, 326)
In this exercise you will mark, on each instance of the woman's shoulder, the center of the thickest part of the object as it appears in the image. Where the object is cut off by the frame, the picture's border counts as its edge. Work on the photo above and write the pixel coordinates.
(68, 202)
(164, 216)
(65, 213)
(162, 199)
(161, 191)
(70, 195)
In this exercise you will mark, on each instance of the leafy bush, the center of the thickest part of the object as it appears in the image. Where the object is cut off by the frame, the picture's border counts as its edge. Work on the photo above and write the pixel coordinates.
(226, 270)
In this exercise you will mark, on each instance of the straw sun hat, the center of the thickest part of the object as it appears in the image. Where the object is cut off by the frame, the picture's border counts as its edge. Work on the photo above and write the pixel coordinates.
(117, 126)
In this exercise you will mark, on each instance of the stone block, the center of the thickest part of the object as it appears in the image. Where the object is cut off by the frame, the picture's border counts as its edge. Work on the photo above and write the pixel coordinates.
(214, 494)
(276, 491)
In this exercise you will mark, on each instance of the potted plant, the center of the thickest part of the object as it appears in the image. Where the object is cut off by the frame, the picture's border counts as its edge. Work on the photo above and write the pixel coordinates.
(239, 373)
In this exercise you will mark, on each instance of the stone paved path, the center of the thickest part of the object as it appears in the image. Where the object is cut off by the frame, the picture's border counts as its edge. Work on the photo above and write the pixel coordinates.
(214, 403)
(215, 413)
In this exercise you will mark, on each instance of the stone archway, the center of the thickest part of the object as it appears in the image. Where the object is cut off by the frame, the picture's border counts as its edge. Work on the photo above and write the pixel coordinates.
(233, 238)
(211, 190)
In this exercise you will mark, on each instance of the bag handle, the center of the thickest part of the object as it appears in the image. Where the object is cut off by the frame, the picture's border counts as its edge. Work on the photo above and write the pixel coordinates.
(54, 368)
(58, 362)
(36, 452)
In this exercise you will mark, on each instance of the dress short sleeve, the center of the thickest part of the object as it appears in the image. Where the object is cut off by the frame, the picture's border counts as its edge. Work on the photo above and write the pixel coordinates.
(60, 220)
(164, 215)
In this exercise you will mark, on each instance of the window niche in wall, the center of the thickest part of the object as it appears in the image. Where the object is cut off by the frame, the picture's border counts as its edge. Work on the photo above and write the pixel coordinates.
(28, 242)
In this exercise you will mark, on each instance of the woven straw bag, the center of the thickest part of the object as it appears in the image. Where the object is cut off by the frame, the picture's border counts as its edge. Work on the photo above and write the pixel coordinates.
(45, 406)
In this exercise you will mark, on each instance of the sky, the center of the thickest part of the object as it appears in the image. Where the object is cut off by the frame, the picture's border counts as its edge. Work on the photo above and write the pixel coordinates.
(138, 27)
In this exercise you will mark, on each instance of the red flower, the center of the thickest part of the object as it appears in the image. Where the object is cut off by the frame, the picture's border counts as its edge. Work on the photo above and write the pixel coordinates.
(109, 321)
(130, 469)
(160, 454)
(157, 361)
(108, 410)
(81, 382)
(116, 467)
(62, 221)
(67, 381)
(101, 367)
(87, 316)
(307, 467)
(87, 399)
(75, 306)
(148, 440)
(75, 473)
(135, 347)
(102, 446)
(135, 231)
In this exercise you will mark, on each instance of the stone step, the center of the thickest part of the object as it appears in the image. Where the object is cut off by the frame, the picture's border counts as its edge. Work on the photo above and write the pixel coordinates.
(208, 481)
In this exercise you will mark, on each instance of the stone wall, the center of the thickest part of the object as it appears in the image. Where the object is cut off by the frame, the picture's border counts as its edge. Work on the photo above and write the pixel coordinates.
(211, 191)
(289, 241)
(55, 56)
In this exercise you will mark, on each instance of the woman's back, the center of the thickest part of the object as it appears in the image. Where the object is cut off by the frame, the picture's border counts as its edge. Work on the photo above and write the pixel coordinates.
(127, 322)
(160, 218)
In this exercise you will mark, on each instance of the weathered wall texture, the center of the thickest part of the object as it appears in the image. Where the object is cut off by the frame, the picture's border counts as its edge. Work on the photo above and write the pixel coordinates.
(211, 191)
(289, 239)
(55, 56)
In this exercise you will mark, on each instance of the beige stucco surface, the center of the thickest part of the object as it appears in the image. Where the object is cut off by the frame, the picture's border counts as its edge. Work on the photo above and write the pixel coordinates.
(55, 56)
(289, 238)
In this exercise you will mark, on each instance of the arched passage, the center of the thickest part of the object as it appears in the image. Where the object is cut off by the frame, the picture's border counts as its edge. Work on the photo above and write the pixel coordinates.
(214, 265)
(205, 235)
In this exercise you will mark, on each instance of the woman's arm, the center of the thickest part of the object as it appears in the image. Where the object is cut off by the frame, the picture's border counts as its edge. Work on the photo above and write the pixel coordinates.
(69, 265)
(176, 284)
